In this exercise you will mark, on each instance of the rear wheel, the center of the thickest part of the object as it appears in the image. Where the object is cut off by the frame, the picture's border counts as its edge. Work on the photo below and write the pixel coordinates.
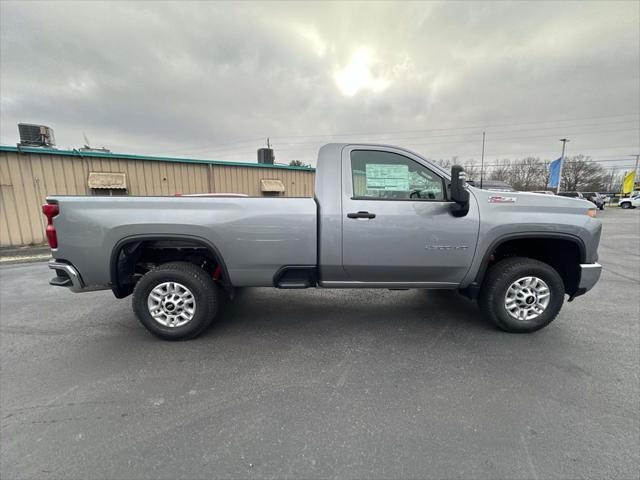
(521, 294)
(176, 301)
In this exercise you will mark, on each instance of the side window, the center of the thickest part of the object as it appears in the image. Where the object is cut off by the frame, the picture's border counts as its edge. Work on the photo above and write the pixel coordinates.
(385, 175)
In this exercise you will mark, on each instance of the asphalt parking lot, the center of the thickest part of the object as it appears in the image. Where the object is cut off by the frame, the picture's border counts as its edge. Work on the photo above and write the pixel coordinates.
(324, 383)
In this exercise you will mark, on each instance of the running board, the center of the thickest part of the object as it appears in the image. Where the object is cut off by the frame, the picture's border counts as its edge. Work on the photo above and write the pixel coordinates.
(296, 276)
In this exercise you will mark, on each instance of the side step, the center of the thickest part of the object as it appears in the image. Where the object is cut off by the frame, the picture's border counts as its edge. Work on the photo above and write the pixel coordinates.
(296, 276)
(61, 281)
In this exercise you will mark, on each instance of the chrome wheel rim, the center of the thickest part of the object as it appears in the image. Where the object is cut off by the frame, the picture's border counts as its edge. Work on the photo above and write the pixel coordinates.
(171, 304)
(527, 298)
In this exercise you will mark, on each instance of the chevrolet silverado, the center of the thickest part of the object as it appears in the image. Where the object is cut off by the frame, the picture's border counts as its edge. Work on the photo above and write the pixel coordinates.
(382, 217)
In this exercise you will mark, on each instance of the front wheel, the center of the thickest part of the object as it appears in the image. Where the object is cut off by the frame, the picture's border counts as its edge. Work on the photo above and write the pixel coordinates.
(176, 301)
(521, 294)
(625, 205)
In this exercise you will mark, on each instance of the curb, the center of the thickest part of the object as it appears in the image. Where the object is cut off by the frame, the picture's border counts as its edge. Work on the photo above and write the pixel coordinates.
(12, 256)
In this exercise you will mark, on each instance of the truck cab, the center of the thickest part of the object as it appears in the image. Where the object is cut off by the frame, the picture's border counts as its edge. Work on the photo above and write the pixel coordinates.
(396, 221)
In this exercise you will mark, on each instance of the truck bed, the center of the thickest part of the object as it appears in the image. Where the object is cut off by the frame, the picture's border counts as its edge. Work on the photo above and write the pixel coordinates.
(255, 236)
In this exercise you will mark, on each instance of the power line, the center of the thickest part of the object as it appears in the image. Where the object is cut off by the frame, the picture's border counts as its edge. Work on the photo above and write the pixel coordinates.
(600, 161)
(233, 142)
(462, 128)
(582, 147)
(507, 163)
(240, 141)
(314, 145)
(547, 135)
(478, 135)
(541, 164)
(509, 167)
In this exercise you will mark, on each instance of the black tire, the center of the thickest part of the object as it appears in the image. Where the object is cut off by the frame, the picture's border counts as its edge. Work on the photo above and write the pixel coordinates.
(625, 205)
(601, 207)
(200, 284)
(498, 280)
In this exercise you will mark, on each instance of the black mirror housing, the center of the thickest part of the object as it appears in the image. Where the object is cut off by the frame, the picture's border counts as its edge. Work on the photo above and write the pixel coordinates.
(459, 192)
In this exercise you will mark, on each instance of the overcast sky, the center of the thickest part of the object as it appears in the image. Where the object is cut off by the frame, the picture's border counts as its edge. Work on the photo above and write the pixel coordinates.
(213, 80)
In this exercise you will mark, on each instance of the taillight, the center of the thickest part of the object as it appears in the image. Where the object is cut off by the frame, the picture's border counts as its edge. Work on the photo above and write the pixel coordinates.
(50, 210)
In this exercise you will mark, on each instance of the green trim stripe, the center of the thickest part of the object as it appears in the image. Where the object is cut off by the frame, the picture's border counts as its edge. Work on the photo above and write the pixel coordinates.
(126, 156)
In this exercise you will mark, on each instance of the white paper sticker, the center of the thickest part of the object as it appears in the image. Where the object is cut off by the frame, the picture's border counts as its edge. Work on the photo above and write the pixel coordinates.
(387, 177)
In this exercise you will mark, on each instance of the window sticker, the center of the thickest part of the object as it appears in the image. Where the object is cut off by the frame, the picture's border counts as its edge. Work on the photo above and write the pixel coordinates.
(387, 177)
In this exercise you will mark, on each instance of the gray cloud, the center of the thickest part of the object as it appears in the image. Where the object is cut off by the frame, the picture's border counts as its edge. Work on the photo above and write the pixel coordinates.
(210, 79)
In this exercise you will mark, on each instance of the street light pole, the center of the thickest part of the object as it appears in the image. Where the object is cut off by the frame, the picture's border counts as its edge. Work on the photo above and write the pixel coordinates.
(482, 160)
(564, 142)
(635, 173)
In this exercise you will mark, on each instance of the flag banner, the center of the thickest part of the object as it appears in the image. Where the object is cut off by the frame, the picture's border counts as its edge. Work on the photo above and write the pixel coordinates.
(554, 173)
(627, 184)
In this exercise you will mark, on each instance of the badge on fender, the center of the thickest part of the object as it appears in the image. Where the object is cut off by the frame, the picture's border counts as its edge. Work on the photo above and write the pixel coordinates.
(501, 199)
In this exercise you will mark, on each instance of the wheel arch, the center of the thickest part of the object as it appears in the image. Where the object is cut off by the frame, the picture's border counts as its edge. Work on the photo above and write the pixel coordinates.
(519, 239)
(121, 291)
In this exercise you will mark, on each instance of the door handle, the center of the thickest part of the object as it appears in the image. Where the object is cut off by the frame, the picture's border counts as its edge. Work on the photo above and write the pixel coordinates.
(361, 215)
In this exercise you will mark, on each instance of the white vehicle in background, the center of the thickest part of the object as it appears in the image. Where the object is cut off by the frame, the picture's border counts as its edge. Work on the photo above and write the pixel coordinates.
(631, 202)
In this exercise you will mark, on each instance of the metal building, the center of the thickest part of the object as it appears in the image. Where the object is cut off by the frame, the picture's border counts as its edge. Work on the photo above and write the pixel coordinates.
(29, 174)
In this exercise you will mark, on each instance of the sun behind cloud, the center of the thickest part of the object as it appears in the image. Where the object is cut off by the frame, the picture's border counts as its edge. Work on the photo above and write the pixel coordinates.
(356, 75)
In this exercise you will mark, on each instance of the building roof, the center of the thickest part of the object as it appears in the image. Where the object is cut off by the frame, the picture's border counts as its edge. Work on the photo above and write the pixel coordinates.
(127, 156)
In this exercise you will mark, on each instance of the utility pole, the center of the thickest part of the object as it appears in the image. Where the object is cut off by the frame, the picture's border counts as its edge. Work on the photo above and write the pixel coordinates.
(635, 173)
(611, 177)
(564, 142)
(482, 160)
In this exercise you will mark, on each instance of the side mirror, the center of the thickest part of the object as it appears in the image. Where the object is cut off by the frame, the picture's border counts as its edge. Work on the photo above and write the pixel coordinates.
(459, 194)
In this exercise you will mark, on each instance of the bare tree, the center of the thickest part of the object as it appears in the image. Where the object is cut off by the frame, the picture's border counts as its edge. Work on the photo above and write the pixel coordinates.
(579, 173)
(531, 173)
(501, 171)
(472, 170)
(527, 174)
(446, 163)
(613, 180)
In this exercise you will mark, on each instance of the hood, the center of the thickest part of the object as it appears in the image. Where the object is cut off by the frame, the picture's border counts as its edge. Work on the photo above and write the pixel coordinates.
(528, 199)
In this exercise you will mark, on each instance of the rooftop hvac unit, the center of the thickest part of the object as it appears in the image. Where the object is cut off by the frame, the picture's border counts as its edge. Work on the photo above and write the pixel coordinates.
(265, 155)
(35, 135)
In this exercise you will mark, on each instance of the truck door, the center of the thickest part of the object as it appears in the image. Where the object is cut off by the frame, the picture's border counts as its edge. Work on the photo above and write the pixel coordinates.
(397, 225)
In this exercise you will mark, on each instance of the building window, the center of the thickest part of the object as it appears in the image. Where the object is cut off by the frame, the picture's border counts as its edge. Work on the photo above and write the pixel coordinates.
(108, 192)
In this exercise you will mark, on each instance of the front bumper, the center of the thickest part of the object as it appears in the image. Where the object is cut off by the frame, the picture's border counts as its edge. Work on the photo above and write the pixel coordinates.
(589, 276)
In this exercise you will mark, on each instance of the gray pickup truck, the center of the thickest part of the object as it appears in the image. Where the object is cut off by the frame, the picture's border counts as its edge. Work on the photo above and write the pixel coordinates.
(382, 217)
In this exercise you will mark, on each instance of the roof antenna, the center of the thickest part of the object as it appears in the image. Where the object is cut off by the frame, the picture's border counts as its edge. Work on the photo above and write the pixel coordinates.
(87, 146)
(268, 143)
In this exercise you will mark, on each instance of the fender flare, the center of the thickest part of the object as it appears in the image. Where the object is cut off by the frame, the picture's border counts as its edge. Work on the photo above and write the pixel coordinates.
(526, 235)
(120, 244)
